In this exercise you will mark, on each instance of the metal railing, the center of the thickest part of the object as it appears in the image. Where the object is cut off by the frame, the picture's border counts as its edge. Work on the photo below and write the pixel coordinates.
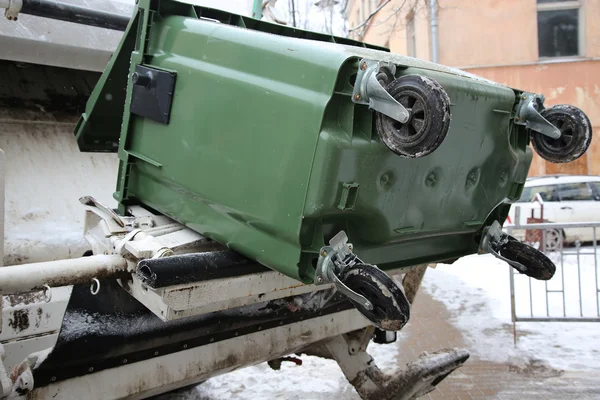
(563, 243)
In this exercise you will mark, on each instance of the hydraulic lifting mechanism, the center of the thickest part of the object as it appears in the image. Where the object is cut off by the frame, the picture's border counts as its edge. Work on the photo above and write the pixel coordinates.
(186, 250)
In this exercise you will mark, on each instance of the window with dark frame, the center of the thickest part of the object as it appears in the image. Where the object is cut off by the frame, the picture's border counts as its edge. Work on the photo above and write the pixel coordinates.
(559, 28)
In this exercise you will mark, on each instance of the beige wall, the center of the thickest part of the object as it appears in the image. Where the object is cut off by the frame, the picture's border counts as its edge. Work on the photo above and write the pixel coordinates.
(487, 32)
(592, 27)
(575, 83)
(471, 32)
(389, 25)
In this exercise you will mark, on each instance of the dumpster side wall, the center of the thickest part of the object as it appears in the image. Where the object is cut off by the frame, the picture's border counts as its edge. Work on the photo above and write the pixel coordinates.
(246, 114)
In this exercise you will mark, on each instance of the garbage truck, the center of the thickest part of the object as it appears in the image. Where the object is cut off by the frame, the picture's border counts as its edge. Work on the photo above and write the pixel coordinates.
(278, 191)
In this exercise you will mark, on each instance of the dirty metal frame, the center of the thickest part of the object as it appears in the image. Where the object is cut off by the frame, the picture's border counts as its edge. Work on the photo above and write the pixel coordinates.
(2, 199)
(5, 383)
(417, 379)
(158, 236)
(345, 341)
(195, 364)
(560, 226)
(144, 235)
(369, 91)
(64, 12)
(45, 275)
(185, 300)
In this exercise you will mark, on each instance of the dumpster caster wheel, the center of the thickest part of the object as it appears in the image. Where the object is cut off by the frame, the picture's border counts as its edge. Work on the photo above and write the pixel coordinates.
(429, 108)
(391, 309)
(518, 255)
(575, 138)
(527, 260)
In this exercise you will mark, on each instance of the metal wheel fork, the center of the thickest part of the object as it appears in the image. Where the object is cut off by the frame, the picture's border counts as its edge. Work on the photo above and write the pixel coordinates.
(493, 239)
(528, 114)
(333, 260)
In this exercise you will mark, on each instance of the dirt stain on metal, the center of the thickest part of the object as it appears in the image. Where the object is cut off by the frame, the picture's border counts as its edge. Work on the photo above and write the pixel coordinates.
(13, 300)
(19, 321)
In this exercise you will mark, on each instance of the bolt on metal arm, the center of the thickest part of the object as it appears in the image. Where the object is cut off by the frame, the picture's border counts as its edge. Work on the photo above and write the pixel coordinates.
(528, 114)
(368, 90)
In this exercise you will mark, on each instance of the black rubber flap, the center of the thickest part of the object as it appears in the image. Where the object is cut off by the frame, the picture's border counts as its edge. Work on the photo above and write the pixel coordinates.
(195, 267)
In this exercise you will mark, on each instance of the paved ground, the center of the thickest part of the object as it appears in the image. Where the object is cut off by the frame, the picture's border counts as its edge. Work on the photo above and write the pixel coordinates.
(430, 329)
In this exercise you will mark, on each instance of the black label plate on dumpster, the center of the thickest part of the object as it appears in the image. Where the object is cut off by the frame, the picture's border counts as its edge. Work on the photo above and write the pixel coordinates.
(152, 93)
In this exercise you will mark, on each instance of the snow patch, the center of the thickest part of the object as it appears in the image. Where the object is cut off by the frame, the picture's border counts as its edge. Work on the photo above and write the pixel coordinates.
(476, 290)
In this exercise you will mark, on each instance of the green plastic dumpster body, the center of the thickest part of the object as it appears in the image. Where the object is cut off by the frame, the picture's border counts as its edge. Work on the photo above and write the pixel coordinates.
(265, 152)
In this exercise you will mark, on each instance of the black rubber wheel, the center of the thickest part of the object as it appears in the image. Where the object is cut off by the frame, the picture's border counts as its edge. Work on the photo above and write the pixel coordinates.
(576, 134)
(429, 107)
(536, 264)
(391, 309)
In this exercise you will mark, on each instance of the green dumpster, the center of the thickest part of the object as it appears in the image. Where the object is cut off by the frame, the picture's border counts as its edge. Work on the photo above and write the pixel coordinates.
(287, 145)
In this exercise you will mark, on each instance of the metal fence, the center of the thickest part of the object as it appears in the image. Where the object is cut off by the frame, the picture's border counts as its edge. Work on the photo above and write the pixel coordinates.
(573, 293)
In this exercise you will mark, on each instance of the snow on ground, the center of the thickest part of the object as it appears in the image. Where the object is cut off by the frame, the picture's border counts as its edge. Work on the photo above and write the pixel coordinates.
(476, 290)
(315, 379)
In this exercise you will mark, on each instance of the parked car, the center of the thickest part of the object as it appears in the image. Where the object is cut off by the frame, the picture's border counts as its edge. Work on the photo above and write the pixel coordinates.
(562, 198)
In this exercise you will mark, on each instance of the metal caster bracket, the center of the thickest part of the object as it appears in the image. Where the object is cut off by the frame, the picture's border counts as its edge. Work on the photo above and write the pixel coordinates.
(491, 242)
(528, 114)
(518, 255)
(333, 260)
(368, 90)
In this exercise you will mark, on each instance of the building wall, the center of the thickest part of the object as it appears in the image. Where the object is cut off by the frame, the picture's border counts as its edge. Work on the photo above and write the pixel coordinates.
(388, 26)
(499, 41)
(487, 32)
(491, 32)
(576, 83)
